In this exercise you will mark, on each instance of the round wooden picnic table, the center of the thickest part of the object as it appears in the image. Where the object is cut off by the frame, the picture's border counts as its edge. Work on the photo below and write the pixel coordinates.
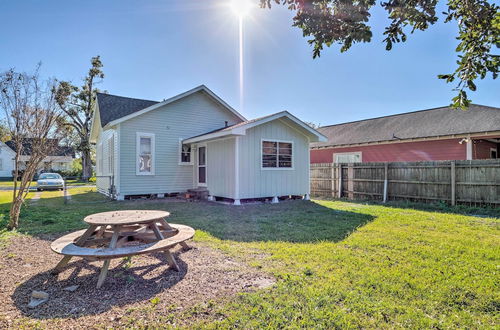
(127, 217)
(117, 228)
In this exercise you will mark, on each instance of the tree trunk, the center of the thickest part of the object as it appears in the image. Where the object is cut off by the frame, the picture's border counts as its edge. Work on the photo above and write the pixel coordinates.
(86, 165)
(15, 210)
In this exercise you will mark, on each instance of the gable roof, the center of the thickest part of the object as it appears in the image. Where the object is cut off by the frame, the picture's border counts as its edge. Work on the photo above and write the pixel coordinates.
(112, 107)
(116, 109)
(56, 151)
(240, 128)
(437, 122)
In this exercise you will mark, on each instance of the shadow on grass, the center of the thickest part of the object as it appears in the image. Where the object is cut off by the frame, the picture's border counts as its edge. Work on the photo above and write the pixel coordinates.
(441, 207)
(289, 221)
(124, 285)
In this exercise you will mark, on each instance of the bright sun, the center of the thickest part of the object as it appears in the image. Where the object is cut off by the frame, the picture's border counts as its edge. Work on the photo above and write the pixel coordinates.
(241, 7)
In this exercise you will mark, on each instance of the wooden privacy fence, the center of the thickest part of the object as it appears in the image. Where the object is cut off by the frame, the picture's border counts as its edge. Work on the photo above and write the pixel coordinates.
(465, 181)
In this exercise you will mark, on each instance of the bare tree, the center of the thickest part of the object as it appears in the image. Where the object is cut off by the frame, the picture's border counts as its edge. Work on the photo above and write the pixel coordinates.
(31, 114)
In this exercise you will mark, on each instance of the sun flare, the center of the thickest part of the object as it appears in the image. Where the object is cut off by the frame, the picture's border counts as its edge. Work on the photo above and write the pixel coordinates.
(241, 8)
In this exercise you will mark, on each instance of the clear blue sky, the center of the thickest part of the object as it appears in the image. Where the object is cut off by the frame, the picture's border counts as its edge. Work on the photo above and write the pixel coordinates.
(156, 49)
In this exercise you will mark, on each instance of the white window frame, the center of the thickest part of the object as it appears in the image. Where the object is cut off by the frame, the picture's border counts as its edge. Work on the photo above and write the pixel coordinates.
(179, 152)
(140, 135)
(277, 168)
(360, 153)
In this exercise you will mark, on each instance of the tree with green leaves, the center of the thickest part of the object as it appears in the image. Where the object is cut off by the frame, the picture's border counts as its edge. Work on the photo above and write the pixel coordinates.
(77, 103)
(345, 22)
(4, 131)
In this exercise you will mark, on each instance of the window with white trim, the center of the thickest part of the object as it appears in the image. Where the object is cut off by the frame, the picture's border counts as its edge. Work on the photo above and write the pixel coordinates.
(493, 153)
(276, 154)
(347, 157)
(145, 153)
(185, 154)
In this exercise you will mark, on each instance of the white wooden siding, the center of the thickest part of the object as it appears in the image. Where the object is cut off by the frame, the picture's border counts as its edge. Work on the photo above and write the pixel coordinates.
(190, 116)
(221, 168)
(256, 182)
(104, 175)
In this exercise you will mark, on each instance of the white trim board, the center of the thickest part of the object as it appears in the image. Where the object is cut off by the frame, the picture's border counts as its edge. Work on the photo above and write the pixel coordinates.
(240, 129)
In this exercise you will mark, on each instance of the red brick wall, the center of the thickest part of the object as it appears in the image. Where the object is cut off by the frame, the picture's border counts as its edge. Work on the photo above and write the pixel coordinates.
(448, 149)
(482, 149)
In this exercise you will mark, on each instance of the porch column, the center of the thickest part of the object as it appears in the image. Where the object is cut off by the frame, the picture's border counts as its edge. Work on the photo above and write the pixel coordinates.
(236, 171)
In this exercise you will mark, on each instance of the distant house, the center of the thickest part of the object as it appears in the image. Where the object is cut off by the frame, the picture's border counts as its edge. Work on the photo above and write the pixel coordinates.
(195, 140)
(60, 158)
(6, 161)
(426, 135)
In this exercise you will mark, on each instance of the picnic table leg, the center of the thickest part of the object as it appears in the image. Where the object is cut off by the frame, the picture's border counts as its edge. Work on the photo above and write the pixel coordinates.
(167, 226)
(105, 266)
(170, 258)
(171, 261)
(65, 260)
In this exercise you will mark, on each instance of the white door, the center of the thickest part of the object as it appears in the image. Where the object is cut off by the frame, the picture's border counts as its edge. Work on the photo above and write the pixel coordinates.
(202, 166)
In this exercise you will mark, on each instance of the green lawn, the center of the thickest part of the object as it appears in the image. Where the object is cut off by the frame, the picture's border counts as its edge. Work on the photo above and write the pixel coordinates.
(338, 264)
(9, 184)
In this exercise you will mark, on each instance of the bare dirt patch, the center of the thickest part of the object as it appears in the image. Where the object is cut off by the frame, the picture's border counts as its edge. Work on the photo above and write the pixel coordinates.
(142, 287)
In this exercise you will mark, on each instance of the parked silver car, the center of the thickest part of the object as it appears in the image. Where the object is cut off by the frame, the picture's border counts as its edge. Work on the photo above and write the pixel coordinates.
(50, 181)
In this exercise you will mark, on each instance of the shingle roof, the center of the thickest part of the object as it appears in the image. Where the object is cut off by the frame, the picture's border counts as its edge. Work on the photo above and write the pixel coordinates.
(418, 124)
(56, 151)
(112, 107)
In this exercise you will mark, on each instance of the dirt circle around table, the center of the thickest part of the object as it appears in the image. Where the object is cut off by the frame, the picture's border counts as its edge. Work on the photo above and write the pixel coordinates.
(125, 217)
(206, 275)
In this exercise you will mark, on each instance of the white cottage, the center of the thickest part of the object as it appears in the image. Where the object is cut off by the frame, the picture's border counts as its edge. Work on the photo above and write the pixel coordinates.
(60, 158)
(195, 140)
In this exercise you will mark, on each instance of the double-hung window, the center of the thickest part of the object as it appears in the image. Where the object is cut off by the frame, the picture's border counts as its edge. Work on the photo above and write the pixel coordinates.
(277, 154)
(145, 154)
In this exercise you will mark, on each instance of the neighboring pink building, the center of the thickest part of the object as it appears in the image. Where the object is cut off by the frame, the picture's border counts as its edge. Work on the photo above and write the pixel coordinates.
(434, 134)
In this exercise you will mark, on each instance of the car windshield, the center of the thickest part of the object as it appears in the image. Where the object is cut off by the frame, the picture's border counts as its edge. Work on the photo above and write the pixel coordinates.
(49, 176)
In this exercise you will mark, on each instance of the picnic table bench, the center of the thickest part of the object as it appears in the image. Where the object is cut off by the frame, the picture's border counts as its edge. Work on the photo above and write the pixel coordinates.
(118, 234)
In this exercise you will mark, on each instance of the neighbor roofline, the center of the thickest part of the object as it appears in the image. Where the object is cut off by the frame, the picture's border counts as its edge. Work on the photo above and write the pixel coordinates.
(406, 140)
(10, 149)
(173, 99)
(404, 113)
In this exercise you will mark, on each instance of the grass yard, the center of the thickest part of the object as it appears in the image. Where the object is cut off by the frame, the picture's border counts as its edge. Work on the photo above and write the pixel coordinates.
(10, 184)
(338, 264)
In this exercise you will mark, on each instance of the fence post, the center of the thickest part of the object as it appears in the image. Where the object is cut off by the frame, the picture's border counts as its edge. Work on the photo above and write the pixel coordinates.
(386, 170)
(453, 183)
(350, 182)
(332, 177)
(340, 181)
